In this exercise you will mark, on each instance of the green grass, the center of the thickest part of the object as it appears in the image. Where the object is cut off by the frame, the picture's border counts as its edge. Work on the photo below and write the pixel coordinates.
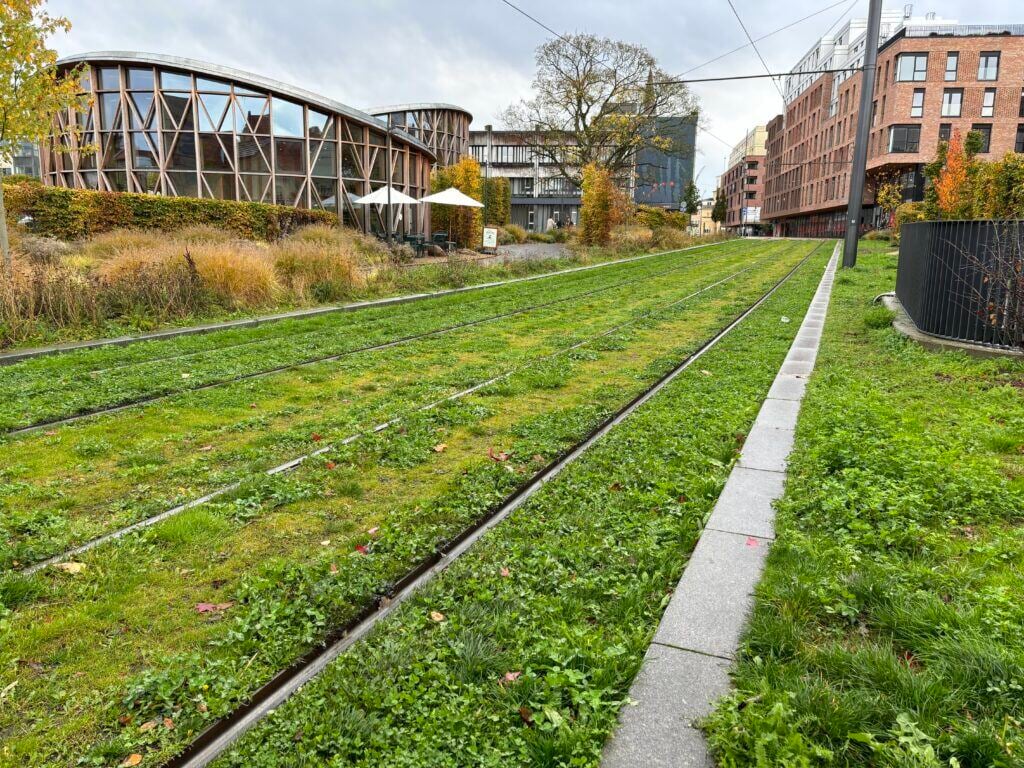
(888, 628)
(123, 637)
(522, 652)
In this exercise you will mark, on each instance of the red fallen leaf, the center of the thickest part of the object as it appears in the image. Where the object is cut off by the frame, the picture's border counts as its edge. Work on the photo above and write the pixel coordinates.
(440, 447)
(683, 498)
(124, 719)
(316, 437)
(511, 677)
(212, 607)
(334, 568)
(615, 487)
(330, 465)
(505, 572)
(133, 759)
(362, 549)
(149, 725)
(499, 456)
(526, 715)
(752, 542)
(168, 724)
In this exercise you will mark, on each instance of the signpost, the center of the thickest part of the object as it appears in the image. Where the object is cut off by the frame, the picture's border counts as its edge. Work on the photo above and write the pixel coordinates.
(491, 238)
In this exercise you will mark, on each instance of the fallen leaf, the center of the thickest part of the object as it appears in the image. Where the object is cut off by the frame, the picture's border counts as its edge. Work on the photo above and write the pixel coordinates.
(252, 405)
(752, 542)
(213, 607)
(437, 616)
(316, 437)
(71, 567)
(325, 543)
(511, 677)
(526, 715)
(330, 465)
(124, 719)
(149, 725)
(206, 448)
(362, 549)
(705, 372)
(133, 759)
(440, 447)
(784, 319)
(615, 487)
(334, 568)
(201, 706)
(168, 724)
(186, 375)
(538, 458)
(373, 531)
(499, 456)
(50, 433)
(505, 572)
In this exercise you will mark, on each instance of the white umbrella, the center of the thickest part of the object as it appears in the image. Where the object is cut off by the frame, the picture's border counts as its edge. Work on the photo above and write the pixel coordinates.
(452, 196)
(380, 197)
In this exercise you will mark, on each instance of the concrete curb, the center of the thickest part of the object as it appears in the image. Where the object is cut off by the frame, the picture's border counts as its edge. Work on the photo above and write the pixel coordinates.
(905, 325)
(20, 355)
(686, 667)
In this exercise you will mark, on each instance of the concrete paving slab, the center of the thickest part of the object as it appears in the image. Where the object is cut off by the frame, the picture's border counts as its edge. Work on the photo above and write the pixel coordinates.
(673, 690)
(801, 354)
(778, 414)
(717, 594)
(788, 387)
(767, 449)
(797, 367)
(745, 506)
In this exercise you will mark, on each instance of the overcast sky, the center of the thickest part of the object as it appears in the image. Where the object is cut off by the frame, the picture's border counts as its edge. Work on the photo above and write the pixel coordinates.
(479, 53)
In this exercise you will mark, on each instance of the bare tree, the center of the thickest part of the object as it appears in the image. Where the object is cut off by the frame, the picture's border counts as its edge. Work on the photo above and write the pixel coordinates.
(598, 101)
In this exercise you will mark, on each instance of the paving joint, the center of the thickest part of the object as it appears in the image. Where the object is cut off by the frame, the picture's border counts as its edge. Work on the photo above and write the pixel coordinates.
(686, 667)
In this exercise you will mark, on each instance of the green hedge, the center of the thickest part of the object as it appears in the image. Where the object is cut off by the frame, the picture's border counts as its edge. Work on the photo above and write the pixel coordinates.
(70, 214)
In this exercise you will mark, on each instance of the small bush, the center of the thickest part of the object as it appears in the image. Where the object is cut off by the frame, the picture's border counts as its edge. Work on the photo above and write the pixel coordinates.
(879, 234)
(237, 278)
(42, 250)
(514, 232)
(540, 237)
(668, 238)
(879, 317)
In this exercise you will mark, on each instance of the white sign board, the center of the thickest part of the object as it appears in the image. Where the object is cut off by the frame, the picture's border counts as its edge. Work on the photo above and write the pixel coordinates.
(490, 237)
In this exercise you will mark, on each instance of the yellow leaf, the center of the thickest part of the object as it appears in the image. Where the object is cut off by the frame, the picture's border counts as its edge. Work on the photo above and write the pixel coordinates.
(133, 759)
(437, 616)
(71, 567)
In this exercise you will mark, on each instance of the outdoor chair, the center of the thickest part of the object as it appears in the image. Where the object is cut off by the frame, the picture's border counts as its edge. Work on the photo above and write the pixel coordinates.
(441, 239)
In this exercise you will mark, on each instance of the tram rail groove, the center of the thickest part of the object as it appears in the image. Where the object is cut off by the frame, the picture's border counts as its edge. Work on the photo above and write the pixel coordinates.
(125, 405)
(18, 356)
(220, 735)
(296, 462)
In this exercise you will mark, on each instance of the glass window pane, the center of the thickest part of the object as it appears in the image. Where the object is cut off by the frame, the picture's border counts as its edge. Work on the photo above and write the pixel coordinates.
(143, 155)
(85, 81)
(378, 138)
(287, 118)
(291, 156)
(254, 185)
(175, 108)
(380, 169)
(114, 155)
(326, 192)
(350, 154)
(326, 163)
(319, 124)
(142, 103)
(253, 154)
(251, 114)
(241, 90)
(211, 114)
(221, 186)
(175, 81)
(109, 78)
(140, 79)
(110, 104)
(118, 180)
(287, 189)
(184, 183)
(148, 181)
(215, 155)
(183, 155)
(211, 86)
(91, 179)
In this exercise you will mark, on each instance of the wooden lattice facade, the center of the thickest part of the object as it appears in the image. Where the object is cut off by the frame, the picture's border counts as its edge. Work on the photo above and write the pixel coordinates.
(444, 128)
(168, 126)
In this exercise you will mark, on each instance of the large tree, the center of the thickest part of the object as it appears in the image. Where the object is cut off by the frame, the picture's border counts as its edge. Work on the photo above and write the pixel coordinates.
(596, 101)
(31, 90)
(691, 199)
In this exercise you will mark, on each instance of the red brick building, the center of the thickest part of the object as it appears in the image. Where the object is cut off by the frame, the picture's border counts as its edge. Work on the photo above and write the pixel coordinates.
(743, 182)
(930, 81)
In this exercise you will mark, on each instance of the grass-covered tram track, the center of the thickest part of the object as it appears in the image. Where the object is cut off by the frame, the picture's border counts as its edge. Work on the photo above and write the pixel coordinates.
(61, 490)
(522, 652)
(52, 391)
(85, 646)
(889, 626)
(394, 420)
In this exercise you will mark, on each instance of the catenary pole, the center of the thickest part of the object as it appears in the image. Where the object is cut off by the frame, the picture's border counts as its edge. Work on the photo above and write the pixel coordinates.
(860, 148)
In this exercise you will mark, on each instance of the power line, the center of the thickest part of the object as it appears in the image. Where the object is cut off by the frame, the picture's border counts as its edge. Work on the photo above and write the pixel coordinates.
(756, 50)
(755, 77)
(538, 22)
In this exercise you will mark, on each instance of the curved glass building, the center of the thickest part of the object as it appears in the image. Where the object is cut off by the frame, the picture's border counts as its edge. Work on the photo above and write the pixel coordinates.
(444, 128)
(171, 126)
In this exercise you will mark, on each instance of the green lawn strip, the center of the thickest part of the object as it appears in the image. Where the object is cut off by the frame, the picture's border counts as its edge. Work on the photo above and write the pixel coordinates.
(131, 614)
(522, 652)
(889, 628)
(63, 488)
(50, 388)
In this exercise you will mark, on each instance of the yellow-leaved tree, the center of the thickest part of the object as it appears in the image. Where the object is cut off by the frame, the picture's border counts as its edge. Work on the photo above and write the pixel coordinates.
(466, 225)
(598, 205)
(31, 89)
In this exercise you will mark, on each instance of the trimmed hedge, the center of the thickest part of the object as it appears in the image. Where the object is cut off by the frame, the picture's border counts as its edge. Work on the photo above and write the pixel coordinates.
(69, 214)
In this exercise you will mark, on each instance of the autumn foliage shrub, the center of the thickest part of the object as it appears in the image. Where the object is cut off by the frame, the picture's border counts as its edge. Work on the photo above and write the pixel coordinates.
(596, 210)
(465, 224)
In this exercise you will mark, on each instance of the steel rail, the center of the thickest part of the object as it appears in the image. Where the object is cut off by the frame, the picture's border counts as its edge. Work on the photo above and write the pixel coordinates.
(299, 460)
(124, 405)
(216, 739)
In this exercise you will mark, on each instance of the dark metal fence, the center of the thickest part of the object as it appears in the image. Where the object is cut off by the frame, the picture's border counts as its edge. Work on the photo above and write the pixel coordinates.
(963, 280)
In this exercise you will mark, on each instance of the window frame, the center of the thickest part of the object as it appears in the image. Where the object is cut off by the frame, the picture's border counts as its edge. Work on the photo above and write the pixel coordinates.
(914, 78)
(959, 105)
(908, 129)
(988, 102)
(985, 129)
(955, 57)
(917, 103)
(982, 57)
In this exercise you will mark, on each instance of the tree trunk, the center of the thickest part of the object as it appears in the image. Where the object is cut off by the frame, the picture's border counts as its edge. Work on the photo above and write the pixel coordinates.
(5, 246)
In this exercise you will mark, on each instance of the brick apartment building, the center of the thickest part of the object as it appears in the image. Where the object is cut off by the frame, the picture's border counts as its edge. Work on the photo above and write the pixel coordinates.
(743, 183)
(932, 79)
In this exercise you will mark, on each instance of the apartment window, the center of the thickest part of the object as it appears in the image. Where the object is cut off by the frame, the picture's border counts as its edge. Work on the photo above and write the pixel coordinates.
(752, 165)
(751, 195)
(917, 104)
(912, 67)
(988, 65)
(988, 103)
(751, 180)
(952, 102)
(952, 64)
(1019, 144)
(1021, 102)
(945, 131)
(985, 131)
(904, 138)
